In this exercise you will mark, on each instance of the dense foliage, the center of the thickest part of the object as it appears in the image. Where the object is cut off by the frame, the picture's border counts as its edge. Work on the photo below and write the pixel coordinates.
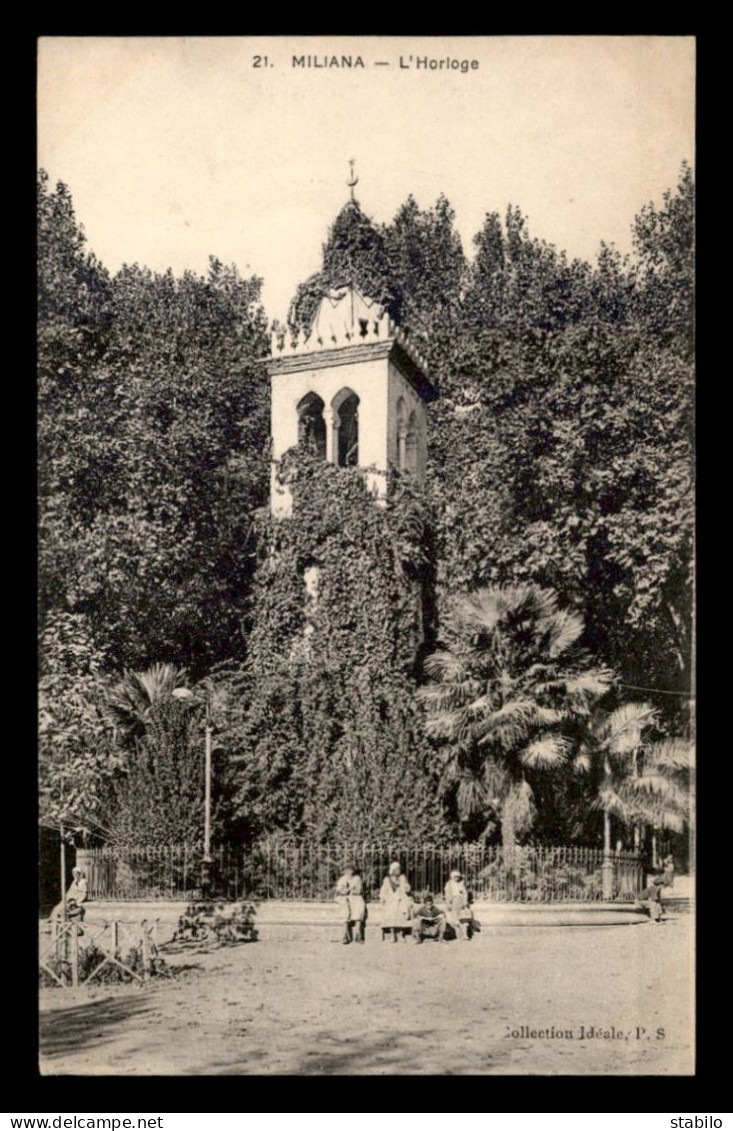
(559, 457)
(505, 696)
(328, 723)
(561, 446)
(152, 435)
(152, 431)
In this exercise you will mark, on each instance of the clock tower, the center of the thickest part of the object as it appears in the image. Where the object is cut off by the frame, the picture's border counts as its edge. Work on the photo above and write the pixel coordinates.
(355, 388)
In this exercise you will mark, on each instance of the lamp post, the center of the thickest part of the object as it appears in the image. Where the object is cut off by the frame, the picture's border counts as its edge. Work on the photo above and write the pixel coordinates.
(185, 693)
(607, 865)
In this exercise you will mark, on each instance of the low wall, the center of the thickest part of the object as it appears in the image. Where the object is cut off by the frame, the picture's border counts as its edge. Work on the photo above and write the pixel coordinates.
(278, 919)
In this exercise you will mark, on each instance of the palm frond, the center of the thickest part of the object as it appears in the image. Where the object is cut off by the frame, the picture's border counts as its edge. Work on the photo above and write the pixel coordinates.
(675, 822)
(445, 667)
(658, 787)
(563, 630)
(480, 609)
(442, 726)
(673, 754)
(470, 796)
(514, 722)
(609, 801)
(589, 685)
(508, 725)
(546, 753)
(443, 697)
(620, 731)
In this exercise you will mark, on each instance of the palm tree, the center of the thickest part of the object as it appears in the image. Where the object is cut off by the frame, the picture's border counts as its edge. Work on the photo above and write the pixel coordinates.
(131, 702)
(610, 750)
(642, 782)
(662, 787)
(503, 696)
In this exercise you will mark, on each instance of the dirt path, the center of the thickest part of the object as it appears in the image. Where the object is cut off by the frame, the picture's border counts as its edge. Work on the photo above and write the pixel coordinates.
(310, 1008)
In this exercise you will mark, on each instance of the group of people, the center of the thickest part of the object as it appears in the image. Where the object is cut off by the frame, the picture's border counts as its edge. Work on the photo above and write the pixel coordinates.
(401, 914)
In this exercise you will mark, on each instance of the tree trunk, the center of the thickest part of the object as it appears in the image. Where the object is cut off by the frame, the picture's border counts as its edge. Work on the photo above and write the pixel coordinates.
(508, 845)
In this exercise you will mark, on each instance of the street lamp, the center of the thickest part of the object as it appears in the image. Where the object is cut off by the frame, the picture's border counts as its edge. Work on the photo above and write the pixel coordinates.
(185, 693)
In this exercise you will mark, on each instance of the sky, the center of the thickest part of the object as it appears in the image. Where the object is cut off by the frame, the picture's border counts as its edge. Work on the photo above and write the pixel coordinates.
(177, 149)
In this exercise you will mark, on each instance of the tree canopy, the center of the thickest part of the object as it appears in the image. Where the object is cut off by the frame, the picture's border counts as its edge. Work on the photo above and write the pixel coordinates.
(560, 460)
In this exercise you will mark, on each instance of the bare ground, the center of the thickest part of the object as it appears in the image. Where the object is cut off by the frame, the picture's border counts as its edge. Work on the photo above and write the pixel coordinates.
(322, 1008)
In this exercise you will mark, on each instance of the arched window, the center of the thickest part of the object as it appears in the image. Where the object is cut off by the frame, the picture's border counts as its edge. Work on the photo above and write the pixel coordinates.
(346, 409)
(311, 425)
(401, 434)
(411, 444)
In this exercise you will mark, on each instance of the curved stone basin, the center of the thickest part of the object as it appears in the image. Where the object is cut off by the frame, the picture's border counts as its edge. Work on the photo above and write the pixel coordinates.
(303, 920)
(557, 914)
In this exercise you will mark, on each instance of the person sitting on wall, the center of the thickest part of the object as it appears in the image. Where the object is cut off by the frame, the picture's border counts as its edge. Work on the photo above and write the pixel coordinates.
(75, 897)
(428, 921)
(668, 871)
(458, 908)
(651, 898)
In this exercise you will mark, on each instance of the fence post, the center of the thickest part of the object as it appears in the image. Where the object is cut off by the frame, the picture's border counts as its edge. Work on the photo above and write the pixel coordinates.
(145, 949)
(74, 954)
(607, 871)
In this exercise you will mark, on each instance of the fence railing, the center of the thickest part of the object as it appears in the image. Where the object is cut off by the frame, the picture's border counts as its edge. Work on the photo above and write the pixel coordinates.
(129, 948)
(302, 870)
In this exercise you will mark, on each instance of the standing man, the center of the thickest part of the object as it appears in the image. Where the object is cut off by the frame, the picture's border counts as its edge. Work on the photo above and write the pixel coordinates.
(350, 898)
(457, 905)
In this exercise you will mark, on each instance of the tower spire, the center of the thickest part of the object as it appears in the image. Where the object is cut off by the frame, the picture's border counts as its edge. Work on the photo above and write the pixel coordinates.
(353, 178)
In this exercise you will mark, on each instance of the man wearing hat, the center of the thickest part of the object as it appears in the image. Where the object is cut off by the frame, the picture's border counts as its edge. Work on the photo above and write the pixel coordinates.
(397, 906)
(457, 906)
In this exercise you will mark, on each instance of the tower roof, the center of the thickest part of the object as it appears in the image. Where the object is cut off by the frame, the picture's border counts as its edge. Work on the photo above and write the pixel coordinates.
(345, 310)
(350, 326)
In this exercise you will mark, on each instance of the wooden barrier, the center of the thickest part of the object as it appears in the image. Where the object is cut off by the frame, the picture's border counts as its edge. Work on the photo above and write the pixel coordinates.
(61, 958)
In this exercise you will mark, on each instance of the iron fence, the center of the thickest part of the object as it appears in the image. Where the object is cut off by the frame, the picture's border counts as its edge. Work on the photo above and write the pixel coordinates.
(303, 870)
(160, 872)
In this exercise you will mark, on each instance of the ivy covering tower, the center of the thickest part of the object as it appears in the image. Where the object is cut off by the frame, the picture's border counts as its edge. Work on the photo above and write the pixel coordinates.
(343, 596)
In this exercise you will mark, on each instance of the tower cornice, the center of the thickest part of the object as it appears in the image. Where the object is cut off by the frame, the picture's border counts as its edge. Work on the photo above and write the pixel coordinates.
(349, 328)
(392, 348)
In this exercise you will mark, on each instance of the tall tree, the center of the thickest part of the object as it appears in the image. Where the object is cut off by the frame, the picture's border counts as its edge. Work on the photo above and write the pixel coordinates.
(76, 758)
(639, 781)
(503, 699)
(153, 420)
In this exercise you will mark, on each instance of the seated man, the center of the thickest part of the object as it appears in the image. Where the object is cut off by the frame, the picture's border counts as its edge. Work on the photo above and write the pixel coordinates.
(651, 898)
(428, 921)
